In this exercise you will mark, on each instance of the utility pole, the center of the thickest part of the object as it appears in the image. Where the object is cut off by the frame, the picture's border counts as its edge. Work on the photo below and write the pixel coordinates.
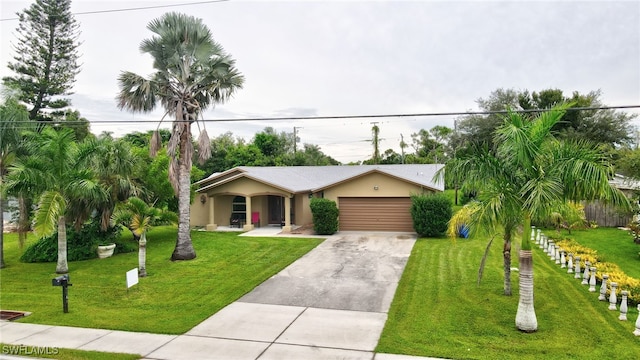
(455, 150)
(295, 138)
(376, 139)
(402, 146)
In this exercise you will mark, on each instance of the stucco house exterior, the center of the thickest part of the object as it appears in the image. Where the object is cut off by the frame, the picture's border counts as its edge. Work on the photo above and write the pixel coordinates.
(369, 197)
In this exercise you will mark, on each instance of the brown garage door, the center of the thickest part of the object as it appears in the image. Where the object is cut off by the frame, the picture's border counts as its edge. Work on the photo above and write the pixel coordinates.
(376, 214)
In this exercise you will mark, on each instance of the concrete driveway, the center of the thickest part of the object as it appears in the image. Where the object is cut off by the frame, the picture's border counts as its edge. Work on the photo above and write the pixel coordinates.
(351, 271)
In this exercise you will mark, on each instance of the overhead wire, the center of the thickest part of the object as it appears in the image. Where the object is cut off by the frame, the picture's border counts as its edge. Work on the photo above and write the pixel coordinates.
(363, 116)
(133, 8)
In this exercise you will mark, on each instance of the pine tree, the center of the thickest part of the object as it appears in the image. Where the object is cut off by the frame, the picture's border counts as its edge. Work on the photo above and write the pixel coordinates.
(45, 57)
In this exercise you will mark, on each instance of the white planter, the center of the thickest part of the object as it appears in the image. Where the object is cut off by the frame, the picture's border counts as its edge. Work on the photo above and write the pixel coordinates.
(104, 251)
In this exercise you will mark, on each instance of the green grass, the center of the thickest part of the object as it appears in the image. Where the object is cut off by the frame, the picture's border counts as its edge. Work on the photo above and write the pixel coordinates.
(613, 245)
(175, 296)
(440, 311)
(64, 354)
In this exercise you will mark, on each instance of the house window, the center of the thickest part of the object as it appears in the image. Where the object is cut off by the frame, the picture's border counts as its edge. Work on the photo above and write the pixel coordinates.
(239, 205)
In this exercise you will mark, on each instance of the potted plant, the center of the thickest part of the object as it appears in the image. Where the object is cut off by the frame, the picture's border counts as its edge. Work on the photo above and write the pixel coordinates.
(106, 250)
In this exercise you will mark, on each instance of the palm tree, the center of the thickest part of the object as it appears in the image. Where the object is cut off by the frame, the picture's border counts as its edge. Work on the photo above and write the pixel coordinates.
(68, 190)
(139, 217)
(13, 118)
(114, 164)
(527, 177)
(192, 72)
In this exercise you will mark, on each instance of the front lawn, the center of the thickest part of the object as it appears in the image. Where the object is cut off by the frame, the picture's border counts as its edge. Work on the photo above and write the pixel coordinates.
(174, 298)
(440, 311)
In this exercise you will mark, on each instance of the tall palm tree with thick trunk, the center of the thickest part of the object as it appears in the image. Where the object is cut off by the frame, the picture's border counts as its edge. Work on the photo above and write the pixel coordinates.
(526, 177)
(192, 72)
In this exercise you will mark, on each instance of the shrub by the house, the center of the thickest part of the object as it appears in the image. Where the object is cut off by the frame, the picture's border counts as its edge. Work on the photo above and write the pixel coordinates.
(430, 214)
(325, 216)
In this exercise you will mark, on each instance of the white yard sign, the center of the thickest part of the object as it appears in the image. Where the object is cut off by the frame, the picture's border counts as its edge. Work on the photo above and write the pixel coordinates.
(132, 277)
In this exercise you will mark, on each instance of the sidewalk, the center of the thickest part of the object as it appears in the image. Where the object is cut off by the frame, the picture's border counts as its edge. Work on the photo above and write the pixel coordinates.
(330, 304)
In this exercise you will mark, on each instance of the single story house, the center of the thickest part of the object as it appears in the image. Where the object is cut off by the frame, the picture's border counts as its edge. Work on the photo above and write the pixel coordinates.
(369, 197)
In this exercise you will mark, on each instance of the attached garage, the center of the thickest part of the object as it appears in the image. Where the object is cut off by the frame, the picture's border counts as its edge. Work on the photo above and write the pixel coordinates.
(375, 214)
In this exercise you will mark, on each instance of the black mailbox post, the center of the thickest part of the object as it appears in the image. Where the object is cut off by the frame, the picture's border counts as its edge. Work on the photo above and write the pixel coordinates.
(64, 282)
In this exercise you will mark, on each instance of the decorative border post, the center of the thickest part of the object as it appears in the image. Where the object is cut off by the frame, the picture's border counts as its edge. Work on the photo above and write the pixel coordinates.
(623, 306)
(585, 275)
(603, 288)
(570, 264)
(636, 332)
(592, 280)
(578, 272)
(612, 298)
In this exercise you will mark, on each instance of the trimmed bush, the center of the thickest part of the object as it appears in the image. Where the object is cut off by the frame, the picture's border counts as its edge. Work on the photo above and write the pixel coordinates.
(431, 214)
(81, 245)
(325, 216)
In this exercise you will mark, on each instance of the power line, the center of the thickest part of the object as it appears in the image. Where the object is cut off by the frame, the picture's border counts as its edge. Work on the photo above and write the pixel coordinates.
(135, 8)
(365, 116)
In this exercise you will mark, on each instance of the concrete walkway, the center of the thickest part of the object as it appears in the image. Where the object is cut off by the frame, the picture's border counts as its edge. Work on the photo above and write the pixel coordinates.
(330, 304)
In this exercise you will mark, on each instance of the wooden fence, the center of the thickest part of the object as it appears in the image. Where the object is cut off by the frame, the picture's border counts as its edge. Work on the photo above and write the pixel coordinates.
(606, 216)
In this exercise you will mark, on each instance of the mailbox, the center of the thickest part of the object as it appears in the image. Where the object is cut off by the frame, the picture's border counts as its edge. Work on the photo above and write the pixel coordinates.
(63, 281)
(60, 280)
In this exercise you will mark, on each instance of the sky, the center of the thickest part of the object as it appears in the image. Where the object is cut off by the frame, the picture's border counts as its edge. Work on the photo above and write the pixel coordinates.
(334, 58)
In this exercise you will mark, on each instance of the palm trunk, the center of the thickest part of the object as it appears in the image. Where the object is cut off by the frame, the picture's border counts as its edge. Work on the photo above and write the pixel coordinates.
(62, 267)
(526, 316)
(506, 258)
(24, 205)
(184, 248)
(142, 255)
(2, 265)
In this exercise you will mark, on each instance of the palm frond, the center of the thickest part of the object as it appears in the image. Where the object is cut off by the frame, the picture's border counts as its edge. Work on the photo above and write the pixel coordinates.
(174, 174)
(137, 94)
(51, 206)
(204, 147)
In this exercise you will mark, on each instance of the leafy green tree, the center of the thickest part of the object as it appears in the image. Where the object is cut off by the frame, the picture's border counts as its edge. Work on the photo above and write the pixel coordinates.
(13, 117)
(68, 190)
(139, 217)
(192, 72)
(45, 63)
(477, 130)
(433, 145)
(76, 122)
(609, 127)
(526, 177)
(272, 144)
(605, 126)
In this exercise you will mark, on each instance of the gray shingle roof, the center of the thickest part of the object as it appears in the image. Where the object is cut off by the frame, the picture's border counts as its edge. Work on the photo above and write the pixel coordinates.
(313, 178)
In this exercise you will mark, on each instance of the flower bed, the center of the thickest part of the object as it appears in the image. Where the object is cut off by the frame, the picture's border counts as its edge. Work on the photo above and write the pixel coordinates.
(624, 281)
